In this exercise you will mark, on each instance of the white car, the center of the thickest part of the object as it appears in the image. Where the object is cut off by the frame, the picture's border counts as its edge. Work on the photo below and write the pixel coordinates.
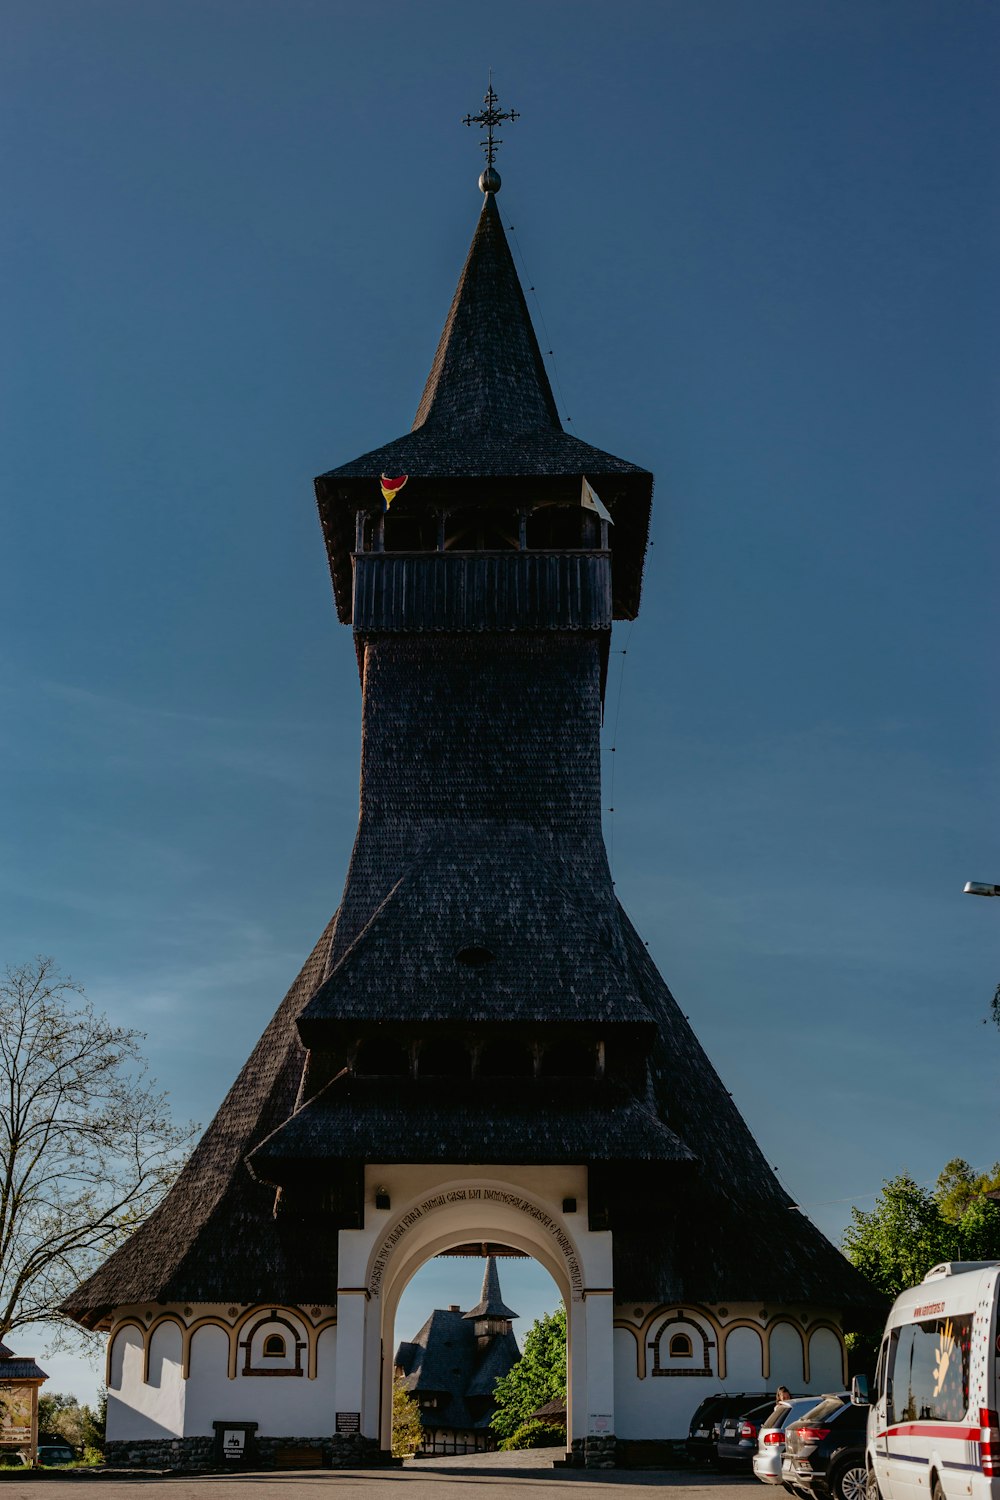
(771, 1437)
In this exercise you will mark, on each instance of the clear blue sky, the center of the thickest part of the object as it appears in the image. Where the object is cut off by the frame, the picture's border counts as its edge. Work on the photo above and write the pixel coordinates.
(764, 238)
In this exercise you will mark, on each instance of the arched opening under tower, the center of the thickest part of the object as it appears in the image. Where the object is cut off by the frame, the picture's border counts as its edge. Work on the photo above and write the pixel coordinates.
(523, 1218)
(460, 1325)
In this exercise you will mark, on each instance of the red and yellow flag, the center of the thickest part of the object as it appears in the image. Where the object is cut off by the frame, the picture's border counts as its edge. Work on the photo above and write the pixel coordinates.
(392, 487)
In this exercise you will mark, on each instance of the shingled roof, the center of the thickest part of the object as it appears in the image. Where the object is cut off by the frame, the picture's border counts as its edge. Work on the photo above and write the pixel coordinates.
(15, 1367)
(490, 1120)
(487, 414)
(447, 1360)
(490, 1304)
(494, 929)
(215, 1238)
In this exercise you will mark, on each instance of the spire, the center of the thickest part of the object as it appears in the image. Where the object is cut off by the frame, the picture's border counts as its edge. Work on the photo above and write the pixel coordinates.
(488, 375)
(491, 1304)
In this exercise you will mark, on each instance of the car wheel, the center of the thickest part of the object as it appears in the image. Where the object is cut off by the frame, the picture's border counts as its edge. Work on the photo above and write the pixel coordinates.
(872, 1492)
(937, 1493)
(850, 1481)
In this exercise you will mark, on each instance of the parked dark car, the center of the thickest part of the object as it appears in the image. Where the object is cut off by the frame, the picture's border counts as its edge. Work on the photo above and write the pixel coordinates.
(705, 1429)
(825, 1450)
(55, 1450)
(738, 1433)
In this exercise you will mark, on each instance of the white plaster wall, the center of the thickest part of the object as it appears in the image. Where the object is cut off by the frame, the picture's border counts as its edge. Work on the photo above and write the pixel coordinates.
(281, 1405)
(207, 1391)
(166, 1375)
(326, 1355)
(745, 1360)
(826, 1361)
(659, 1406)
(167, 1405)
(137, 1410)
(786, 1359)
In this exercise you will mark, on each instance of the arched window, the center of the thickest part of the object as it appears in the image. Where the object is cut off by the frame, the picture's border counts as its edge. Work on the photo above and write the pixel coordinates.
(681, 1345)
(273, 1344)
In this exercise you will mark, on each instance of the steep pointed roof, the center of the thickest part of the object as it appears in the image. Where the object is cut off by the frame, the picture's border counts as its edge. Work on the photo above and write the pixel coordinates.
(488, 373)
(487, 413)
(490, 1304)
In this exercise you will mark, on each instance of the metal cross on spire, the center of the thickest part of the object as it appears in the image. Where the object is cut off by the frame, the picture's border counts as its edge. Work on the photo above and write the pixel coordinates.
(490, 117)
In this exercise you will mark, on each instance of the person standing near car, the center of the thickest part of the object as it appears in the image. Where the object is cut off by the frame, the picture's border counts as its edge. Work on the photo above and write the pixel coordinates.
(782, 1394)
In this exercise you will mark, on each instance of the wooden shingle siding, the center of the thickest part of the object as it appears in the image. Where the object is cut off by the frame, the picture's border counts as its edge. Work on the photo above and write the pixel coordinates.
(482, 591)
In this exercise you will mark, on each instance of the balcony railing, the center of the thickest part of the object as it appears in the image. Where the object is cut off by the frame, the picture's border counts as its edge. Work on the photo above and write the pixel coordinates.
(482, 590)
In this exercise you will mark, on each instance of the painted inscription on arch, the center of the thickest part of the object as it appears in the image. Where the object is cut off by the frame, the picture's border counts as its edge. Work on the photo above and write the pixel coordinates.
(477, 1195)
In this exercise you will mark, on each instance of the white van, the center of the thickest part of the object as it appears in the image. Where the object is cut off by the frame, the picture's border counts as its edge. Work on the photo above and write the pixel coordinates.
(933, 1430)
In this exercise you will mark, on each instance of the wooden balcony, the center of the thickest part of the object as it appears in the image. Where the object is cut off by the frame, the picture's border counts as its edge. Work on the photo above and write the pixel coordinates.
(457, 591)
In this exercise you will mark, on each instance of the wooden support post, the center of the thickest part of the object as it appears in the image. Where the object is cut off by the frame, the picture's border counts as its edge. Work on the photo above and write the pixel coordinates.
(604, 535)
(380, 533)
(359, 531)
(442, 518)
(522, 530)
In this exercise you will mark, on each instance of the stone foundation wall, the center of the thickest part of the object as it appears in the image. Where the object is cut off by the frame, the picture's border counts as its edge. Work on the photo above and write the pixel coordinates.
(354, 1452)
(599, 1452)
(160, 1453)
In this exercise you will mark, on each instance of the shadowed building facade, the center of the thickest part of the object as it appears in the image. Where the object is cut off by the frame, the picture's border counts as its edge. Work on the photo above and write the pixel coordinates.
(479, 1049)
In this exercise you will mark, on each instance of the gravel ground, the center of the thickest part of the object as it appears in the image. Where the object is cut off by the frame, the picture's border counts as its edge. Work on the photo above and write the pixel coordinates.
(485, 1476)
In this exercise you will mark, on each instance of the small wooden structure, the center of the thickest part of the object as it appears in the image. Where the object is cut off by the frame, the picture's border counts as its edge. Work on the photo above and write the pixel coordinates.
(20, 1382)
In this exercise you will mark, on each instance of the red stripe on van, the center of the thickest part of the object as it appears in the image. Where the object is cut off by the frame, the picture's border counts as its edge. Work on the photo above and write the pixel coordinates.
(933, 1429)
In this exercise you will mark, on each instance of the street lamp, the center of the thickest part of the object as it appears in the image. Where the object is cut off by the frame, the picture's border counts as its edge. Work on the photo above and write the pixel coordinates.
(977, 888)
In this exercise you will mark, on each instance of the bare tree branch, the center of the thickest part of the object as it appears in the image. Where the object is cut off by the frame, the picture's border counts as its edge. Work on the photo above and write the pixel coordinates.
(87, 1146)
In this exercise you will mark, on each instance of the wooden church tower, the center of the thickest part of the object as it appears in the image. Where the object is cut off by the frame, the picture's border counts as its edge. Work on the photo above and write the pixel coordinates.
(479, 1051)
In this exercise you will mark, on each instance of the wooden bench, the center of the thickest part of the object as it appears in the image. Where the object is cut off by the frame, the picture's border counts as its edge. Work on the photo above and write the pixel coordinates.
(299, 1456)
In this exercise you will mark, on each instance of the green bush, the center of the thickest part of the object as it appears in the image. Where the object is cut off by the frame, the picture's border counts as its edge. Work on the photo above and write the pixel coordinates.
(538, 1377)
(535, 1435)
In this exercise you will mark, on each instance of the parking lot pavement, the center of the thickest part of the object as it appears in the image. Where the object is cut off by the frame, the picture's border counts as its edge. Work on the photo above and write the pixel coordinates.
(486, 1476)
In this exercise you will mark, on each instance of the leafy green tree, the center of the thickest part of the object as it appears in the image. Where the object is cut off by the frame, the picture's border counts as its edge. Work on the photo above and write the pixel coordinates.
(959, 1186)
(81, 1426)
(61, 1416)
(95, 1421)
(901, 1238)
(539, 1375)
(979, 1231)
(407, 1431)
